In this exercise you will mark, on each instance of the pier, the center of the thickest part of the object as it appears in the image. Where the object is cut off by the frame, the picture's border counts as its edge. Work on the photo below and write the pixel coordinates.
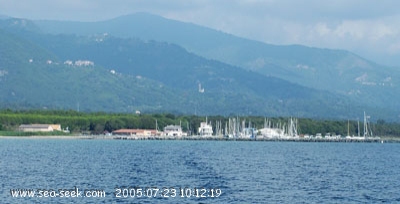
(260, 139)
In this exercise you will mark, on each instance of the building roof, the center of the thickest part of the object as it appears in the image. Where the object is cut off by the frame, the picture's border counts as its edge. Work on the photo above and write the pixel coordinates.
(132, 131)
(172, 127)
(38, 126)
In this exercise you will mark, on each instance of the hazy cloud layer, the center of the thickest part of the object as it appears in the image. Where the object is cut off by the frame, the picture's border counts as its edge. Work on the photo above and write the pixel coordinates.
(369, 28)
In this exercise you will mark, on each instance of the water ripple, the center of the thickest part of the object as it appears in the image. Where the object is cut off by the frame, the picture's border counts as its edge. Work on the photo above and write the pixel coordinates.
(246, 172)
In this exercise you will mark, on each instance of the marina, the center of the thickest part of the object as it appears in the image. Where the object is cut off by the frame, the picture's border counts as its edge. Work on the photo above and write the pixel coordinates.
(238, 130)
(218, 138)
(221, 129)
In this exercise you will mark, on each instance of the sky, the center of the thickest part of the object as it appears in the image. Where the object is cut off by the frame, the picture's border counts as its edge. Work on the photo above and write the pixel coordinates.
(369, 28)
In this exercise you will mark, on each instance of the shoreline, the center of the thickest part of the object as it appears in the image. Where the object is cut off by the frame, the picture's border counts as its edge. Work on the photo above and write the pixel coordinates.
(48, 137)
(212, 138)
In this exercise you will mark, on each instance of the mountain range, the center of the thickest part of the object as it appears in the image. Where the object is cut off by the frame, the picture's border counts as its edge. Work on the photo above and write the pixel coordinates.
(152, 64)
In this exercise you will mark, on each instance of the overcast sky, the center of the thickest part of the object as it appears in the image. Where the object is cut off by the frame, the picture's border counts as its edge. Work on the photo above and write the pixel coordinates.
(369, 28)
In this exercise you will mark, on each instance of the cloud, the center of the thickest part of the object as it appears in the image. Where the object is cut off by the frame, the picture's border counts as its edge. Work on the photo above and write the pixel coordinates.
(366, 27)
(376, 39)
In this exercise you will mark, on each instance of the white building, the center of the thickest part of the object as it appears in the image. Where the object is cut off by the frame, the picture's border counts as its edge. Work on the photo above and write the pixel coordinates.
(173, 130)
(205, 129)
(40, 127)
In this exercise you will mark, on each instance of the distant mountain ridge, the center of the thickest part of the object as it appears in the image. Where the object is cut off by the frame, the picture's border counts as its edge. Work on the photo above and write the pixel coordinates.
(336, 71)
(162, 76)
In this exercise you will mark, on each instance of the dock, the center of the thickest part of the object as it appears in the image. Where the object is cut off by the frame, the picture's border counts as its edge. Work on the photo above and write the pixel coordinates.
(260, 139)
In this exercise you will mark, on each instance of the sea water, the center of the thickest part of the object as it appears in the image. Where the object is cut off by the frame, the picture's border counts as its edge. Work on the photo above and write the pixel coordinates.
(197, 171)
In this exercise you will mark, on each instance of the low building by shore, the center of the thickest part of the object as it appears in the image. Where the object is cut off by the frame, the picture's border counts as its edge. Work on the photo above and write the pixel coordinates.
(39, 127)
(135, 132)
(174, 131)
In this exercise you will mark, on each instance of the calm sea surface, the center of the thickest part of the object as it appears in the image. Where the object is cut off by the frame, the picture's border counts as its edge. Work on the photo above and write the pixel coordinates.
(241, 172)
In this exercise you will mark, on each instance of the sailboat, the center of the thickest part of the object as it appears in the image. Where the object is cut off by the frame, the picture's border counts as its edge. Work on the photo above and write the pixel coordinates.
(367, 132)
(348, 130)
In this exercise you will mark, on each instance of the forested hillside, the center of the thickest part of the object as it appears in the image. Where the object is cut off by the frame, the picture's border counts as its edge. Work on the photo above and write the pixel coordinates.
(337, 71)
(103, 72)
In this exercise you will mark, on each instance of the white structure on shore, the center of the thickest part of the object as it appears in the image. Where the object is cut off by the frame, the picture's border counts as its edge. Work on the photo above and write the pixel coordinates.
(173, 131)
(205, 129)
(39, 127)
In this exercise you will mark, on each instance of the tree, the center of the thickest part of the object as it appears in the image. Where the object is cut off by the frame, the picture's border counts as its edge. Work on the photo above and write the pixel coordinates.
(108, 126)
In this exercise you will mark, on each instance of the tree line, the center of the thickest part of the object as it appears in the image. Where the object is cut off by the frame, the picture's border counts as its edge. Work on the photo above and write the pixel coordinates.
(100, 122)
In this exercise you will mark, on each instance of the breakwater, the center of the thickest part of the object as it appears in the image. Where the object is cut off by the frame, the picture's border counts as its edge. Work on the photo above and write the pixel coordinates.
(219, 138)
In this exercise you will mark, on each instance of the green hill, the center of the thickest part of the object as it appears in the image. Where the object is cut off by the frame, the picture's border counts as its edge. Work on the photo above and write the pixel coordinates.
(32, 77)
(337, 71)
(102, 72)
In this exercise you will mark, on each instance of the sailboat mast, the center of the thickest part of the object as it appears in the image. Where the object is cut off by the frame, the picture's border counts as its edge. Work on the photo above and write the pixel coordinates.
(156, 127)
(365, 125)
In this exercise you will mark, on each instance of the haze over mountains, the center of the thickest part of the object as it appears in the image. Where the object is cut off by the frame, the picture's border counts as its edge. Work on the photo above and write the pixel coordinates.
(152, 64)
